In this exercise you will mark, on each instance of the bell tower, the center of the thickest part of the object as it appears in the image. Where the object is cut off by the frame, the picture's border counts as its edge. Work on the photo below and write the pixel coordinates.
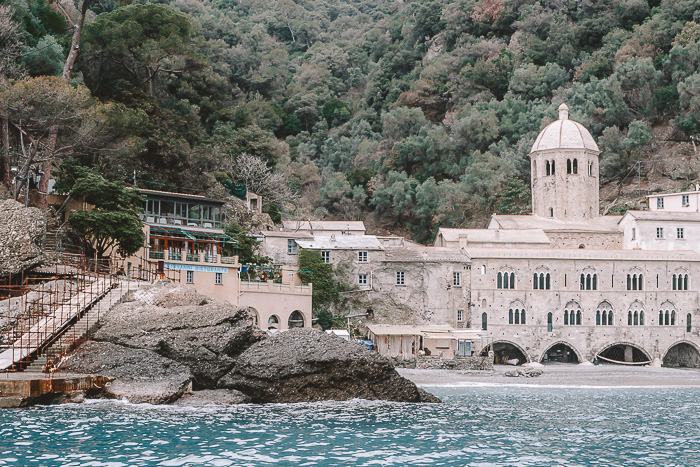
(564, 168)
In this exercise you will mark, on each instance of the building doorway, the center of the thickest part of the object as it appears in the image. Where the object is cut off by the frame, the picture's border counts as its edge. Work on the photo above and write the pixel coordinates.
(505, 353)
(682, 355)
(624, 354)
(560, 353)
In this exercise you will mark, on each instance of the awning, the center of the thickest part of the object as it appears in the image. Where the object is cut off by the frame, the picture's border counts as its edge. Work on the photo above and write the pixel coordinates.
(176, 233)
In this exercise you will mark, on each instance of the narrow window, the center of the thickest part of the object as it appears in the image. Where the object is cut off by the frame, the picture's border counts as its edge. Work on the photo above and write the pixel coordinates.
(661, 317)
(522, 316)
(547, 165)
(566, 317)
(680, 233)
(512, 280)
(629, 281)
(641, 318)
(554, 171)
(634, 233)
(534, 281)
(292, 247)
(688, 325)
(362, 279)
(460, 315)
(595, 281)
(578, 317)
(483, 269)
(568, 166)
(541, 281)
(575, 166)
(660, 233)
(610, 318)
(564, 280)
(517, 316)
(551, 212)
(640, 282)
(549, 282)
(457, 279)
(660, 202)
(685, 282)
(673, 317)
(629, 318)
(597, 317)
(500, 281)
(400, 277)
(218, 278)
(636, 317)
(667, 317)
(549, 322)
(326, 257)
(190, 277)
(484, 321)
(583, 282)
(588, 282)
(510, 316)
(674, 283)
(634, 282)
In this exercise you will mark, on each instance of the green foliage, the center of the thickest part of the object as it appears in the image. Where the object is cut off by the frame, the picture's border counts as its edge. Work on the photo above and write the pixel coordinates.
(246, 247)
(335, 112)
(114, 220)
(327, 320)
(515, 197)
(46, 59)
(325, 285)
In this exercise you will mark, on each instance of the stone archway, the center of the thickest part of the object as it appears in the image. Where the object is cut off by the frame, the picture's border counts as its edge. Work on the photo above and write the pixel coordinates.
(682, 354)
(506, 350)
(561, 352)
(296, 320)
(273, 322)
(254, 315)
(624, 353)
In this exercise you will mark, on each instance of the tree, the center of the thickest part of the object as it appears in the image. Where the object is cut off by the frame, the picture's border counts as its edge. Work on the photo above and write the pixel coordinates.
(9, 51)
(114, 222)
(246, 245)
(326, 287)
(139, 42)
(259, 178)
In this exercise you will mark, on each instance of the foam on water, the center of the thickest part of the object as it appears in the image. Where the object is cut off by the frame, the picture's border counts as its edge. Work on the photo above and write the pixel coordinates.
(524, 426)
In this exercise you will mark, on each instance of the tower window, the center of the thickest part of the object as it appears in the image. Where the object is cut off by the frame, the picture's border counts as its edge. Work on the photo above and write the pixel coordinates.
(554, 171)
(575, 168)
(548, 168)
(551, 212)
(568, 166)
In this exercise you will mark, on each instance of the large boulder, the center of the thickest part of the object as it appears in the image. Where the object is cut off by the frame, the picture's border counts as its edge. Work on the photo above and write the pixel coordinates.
(172, 320)
(22, 232)
(308, 365)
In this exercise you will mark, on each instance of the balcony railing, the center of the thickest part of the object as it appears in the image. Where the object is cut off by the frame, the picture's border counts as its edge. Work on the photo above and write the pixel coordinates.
(209, 258)
(175, 256)
(156, 254)
(192, 257)
(182, 222)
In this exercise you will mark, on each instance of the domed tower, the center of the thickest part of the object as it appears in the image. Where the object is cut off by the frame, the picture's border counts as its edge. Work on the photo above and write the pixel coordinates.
(565, 171)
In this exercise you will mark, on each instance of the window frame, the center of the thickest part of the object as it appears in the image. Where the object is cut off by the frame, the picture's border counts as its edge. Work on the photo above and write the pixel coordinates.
(362, 257)
(218, 278)
(189, 277)
(292, 247)
(456, 278)
(659, 233)
(401, 278)
(659, 202)
(680, 233)
(326, 256)
(362, 278)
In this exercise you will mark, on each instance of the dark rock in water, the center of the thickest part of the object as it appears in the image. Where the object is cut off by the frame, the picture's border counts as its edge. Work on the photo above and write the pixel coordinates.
(204, 335)
(22, 233)
(141, 375)
(308, 365)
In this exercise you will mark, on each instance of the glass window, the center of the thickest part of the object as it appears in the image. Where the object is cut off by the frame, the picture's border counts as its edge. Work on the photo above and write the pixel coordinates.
(362, 279)
(292, 247)
(190, 277)
(460, 315)
(218, 278)
(660, 202)
(326, 257)
(634, 233)
(400, 277)
(660, 232)
(457, 279)
(680, 233)
(361, 256)
(685, 200)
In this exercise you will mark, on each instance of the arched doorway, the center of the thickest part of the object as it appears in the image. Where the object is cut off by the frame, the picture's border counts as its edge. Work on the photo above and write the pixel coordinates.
(682, 355)
(296, 320)
(560, 353)
(624, 353)
(504, 352)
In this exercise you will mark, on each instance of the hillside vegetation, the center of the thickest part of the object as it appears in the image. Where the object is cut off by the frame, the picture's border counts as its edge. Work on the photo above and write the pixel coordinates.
(408, 114)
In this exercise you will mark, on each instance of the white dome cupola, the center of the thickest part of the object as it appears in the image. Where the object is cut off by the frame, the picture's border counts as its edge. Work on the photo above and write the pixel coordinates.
(565, 170)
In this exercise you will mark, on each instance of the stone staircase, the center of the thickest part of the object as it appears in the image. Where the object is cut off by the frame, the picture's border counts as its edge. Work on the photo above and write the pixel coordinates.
(82, 328)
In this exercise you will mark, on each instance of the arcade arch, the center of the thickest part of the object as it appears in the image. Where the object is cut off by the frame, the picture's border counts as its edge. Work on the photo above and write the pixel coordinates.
(624, 353)
(682, 354)
(504, 351)
(562, 352)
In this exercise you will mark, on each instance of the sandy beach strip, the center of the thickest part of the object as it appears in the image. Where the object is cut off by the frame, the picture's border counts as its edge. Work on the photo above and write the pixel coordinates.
(562, 375)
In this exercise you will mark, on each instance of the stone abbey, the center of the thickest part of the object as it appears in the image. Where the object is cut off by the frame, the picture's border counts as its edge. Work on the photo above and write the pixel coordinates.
(563, 283)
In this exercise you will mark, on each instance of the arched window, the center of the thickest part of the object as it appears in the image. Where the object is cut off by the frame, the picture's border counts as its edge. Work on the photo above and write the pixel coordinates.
(505, 280)
(680, 281)
(590, 169)
(566, 317)
(688, 324)
(597, 317)
(549, 168)
(568, 166)
(510, 316)
(635, 315)
(635, 281)
(673, 317)
(572, 314)
(484, 321)
(522, 316)
(542, 281)
(554, 171)
(641, 318)
(589, 281)
(583, 282)
(512, 280)
(549, 322)
(535, 281)
(517, 316)
(578, 317)
(667, 319)
(296, 320)
(661, 317)
(548, 282)
(575, 170)
(500, 280)
(629, 318)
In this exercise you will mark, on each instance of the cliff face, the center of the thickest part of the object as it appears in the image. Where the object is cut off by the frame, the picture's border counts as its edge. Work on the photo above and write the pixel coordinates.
(22, 233)
(168, 340)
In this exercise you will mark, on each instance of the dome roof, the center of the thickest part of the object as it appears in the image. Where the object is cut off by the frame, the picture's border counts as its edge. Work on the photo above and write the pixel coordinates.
(564, 134)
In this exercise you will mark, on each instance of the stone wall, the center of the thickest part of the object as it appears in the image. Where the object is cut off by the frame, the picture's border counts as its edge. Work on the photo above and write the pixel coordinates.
(437, 363)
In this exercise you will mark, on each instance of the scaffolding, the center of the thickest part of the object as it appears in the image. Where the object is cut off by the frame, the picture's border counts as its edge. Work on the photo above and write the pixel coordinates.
(46, 313)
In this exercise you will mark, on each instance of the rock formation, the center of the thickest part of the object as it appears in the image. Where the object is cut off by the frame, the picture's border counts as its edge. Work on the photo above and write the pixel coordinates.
(169, 341)
(22, 233)
(309, 365)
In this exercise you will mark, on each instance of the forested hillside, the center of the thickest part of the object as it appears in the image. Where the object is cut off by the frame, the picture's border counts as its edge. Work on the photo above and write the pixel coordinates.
(408, 114)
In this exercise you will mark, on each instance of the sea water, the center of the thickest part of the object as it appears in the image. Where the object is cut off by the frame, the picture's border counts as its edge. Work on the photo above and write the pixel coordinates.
(481, 426)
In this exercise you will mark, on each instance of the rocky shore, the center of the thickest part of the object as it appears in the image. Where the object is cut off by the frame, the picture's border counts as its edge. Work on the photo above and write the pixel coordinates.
(169, 344)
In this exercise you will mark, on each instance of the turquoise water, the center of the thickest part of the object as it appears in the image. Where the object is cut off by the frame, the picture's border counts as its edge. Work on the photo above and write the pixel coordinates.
(481, 426)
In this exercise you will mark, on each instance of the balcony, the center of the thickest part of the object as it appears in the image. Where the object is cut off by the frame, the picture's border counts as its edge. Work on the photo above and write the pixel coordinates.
(156, 254)
(175, 256)
(192, 257)
(209, 258)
